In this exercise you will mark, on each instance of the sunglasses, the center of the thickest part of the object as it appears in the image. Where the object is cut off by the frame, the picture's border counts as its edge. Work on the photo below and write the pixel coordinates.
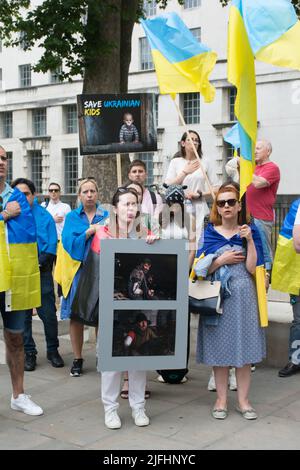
(56, 190)
(86, 178)
(4, 158)
(230, 202)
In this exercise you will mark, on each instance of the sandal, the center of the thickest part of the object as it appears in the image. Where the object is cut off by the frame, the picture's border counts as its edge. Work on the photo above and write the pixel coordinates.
(124, 393)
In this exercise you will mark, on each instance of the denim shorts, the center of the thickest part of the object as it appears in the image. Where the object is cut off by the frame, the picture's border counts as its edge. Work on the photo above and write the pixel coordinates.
(14, 322)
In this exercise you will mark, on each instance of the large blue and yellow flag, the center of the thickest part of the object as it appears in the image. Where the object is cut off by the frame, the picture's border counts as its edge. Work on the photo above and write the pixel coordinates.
(268, 31)
(182, 63)
(286, 267)
(20, 258)
(241, 73)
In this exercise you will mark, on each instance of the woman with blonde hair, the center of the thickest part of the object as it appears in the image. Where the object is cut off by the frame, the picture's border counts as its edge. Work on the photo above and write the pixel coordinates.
(80, 226)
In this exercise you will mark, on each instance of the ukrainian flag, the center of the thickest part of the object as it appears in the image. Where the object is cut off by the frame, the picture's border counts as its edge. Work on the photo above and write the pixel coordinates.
(286, 267)
(241, 73)
(268, 31)
(23, 291)
(273, 30)
(182, 63)
(72, 249)
(5, 271)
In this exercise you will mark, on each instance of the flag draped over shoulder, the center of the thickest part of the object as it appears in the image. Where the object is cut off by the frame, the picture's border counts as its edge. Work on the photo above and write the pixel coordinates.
(71, 249)
(270, 32)
(24, 284)
(286, 267)
(182, 63)
(213, 241)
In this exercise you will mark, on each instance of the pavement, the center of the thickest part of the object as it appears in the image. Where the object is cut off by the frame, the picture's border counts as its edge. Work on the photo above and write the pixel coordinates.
(180, 414)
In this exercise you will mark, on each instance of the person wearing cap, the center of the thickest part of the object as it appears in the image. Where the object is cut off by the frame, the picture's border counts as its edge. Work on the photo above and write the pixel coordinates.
(175, 220)
(139, 335)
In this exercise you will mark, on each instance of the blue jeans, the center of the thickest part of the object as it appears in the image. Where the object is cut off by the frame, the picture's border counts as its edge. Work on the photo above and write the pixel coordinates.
(294, 344)
(13, 322)
(47, 313)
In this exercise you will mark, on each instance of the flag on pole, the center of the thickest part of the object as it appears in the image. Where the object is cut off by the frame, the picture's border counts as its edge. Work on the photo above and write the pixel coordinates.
(270, 32)
(23, 289)
(286, 267)
(182, 63)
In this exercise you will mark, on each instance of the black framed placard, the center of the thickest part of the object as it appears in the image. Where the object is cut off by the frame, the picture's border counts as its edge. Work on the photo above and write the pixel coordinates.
(110, 124)
(143, 305)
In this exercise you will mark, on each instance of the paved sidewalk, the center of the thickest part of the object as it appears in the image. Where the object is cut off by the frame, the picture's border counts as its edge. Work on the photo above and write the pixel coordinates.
(180, 414)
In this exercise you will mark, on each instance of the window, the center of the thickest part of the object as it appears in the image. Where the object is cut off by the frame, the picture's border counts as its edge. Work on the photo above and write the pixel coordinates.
(147, 158)
(156, 110)
(54, 75)
(39, 122)
(192, 3)
(145, 55)
(9, 176)
(196, 32)
(24, 44)
(232, 97)
(71, 170)
(229, 151)
(25, 75)
(36, 168)
(6, 125)
(70, 113)
(149, 8)
(191, 108)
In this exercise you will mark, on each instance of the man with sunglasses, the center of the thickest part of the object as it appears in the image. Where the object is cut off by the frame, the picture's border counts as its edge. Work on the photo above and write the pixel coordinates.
(56, 208)
(13, 322)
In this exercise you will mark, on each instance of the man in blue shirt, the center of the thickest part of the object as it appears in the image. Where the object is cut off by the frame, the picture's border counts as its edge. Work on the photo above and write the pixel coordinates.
(47, 244)
(13, 322)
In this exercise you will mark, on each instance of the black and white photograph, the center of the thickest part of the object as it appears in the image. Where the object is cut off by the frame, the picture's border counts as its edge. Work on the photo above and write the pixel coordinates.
(144, 277)
(144, 333)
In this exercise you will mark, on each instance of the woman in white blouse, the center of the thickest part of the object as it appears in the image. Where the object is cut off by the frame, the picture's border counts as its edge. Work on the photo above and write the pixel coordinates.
(185, 169)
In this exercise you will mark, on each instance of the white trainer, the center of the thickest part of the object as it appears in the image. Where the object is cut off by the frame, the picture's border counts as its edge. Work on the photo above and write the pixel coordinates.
(160, 379)
(112, 419)
(211, 387)
(140, 417)
(232, 380)
(24, 404)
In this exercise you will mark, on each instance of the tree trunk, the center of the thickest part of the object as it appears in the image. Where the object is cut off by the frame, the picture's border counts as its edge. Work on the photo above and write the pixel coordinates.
(110, 23)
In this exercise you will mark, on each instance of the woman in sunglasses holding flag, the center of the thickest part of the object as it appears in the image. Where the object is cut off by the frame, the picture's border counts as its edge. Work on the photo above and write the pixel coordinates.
(234, 338)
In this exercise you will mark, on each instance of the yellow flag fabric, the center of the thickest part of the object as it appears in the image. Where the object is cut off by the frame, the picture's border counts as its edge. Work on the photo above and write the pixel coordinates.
(260, 275)
(65, 269)
(285, 52)
(286, 267)
(5, 271)
(25, 275)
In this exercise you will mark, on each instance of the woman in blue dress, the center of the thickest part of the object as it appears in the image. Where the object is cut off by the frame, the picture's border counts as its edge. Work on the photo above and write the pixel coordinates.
(234, 338)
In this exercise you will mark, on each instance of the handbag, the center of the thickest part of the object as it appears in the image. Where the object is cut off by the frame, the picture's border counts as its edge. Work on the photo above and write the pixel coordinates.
(204, 297)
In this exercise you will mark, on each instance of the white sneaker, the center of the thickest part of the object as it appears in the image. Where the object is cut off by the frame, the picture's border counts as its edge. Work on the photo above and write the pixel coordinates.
(183, 380)
(112, 419)
(253, 367)
(140, 417)
(211, 387)
(232, 380)
(24, 404)
(160, 379)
